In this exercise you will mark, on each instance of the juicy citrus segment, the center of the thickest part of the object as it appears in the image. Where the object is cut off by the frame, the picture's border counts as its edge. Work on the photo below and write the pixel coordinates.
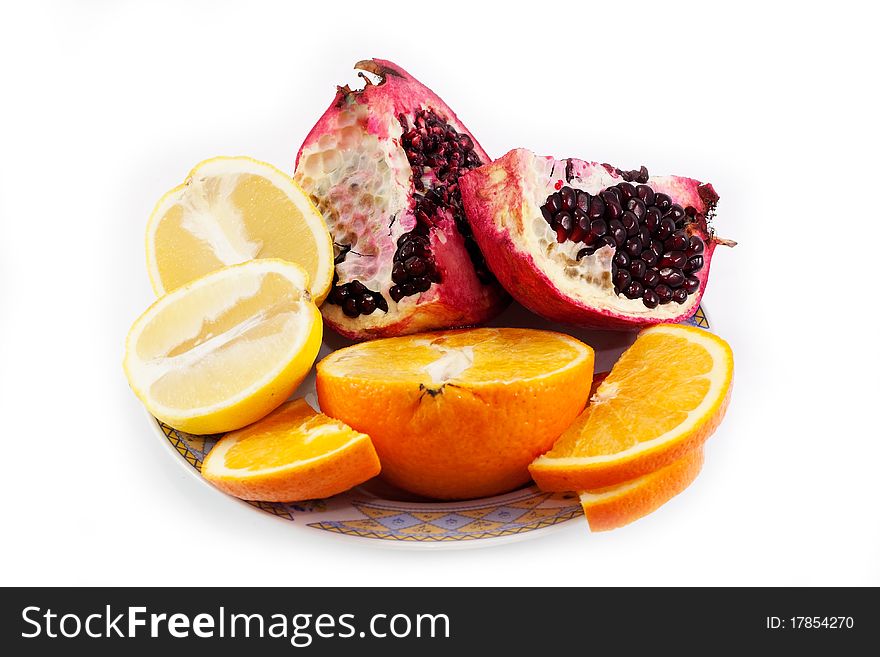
(616, 506)
(641, 412)
(458, 414)
(306, 435)
(475, 356)
(224, 350)
(292, 454)
(666, 394)
(231, 210)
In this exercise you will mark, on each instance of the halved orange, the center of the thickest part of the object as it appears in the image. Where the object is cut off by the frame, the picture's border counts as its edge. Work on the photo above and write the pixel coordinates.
(459, 414)
(292, 454)
(616, 506)
(664, 397)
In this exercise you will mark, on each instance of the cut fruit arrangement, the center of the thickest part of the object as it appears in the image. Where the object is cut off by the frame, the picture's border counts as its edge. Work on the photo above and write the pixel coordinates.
(400, 230)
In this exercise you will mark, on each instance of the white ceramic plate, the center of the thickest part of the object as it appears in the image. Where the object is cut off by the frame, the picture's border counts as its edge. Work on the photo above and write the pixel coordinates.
(381, 514)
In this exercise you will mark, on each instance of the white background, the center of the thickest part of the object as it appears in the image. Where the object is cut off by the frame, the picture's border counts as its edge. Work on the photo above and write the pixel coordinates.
(106, 105)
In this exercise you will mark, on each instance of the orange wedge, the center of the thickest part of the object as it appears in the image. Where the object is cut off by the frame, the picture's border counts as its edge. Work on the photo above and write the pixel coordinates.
(459, 414)
(616, 506)
(664, 397)
(290, 455)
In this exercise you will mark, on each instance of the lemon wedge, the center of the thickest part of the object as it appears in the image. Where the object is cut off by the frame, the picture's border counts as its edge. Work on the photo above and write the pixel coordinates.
(226, 349)
(231, 210)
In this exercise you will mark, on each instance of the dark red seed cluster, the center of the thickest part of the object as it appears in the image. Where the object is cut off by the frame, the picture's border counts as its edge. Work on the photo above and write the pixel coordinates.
(655, 257)
(433, 146)
(414, 269)
(431, 143)
(356, 299)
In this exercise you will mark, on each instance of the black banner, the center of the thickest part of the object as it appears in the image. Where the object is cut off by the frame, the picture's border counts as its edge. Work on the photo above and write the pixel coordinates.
(335, 621)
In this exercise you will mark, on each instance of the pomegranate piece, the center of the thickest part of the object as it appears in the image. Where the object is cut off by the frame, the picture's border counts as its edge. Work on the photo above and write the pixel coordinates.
(382, 165)
(589, 244)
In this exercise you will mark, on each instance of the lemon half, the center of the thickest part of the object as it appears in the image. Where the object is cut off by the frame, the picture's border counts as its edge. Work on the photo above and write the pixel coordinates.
(231, 210)
(226, 349)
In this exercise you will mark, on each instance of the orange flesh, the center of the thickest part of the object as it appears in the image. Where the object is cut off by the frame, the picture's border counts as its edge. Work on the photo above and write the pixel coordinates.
(650, 391)
(293, 433)
(476, 356)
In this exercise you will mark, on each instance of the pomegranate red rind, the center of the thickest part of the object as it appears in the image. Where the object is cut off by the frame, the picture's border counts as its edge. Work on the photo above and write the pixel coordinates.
(503, 203)
(382, 165)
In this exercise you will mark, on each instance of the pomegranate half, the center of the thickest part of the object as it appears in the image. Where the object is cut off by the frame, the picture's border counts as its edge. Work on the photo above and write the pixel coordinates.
(382, 164)
(589, 244)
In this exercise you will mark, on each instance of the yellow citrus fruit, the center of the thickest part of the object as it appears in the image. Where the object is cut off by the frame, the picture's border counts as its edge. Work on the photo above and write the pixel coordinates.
(290, 455)
(665, 395)
(616, 506)
(226, 349)
(458, 414)
(231, 210)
